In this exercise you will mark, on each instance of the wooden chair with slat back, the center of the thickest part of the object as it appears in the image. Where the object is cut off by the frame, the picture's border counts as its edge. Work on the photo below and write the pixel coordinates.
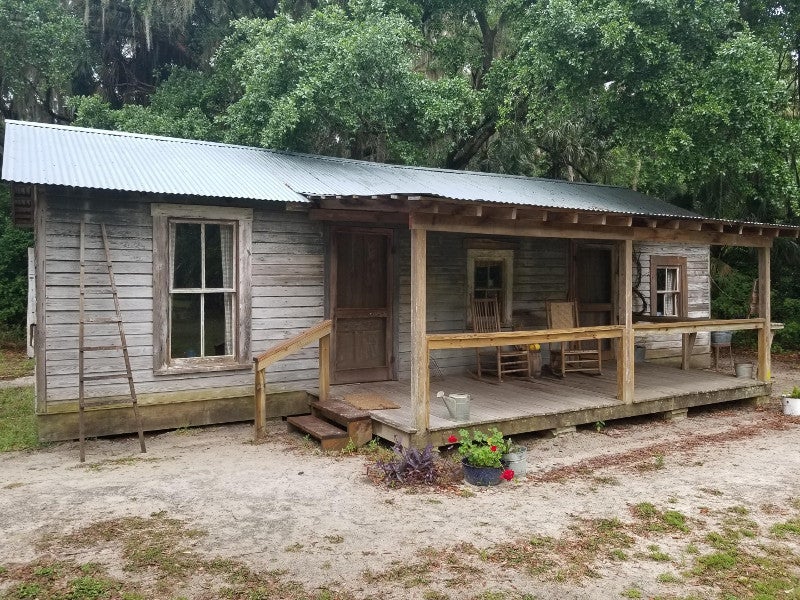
(499, 360)
(583, 356)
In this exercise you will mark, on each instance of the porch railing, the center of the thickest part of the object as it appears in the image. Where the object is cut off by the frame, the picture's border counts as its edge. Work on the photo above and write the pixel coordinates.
(689, 328)
(442, 341)
(320, 332)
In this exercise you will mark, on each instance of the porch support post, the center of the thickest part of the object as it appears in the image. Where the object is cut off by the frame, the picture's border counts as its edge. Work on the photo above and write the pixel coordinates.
(420, 379)
(765, 312)
(625, 318)
(324, 367)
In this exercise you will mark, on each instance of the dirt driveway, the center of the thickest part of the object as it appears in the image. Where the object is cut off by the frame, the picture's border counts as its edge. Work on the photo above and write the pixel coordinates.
(640, 509)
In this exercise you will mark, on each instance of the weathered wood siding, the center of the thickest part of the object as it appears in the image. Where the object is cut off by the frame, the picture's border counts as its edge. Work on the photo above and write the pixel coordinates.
(699, 292)
(288, 291)
(540, 274)
(287, 285)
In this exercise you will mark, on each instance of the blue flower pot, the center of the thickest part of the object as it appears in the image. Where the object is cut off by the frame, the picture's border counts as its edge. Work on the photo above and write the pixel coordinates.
(481, 475)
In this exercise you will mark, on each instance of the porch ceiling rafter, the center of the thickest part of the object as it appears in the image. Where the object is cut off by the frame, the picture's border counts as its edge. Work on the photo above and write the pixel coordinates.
(446, 214)
(536, 228)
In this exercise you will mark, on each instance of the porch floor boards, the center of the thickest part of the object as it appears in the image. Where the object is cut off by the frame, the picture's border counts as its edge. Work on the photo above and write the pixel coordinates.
(540, 404)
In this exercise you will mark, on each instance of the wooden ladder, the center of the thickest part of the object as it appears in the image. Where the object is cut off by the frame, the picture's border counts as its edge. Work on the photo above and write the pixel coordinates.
(83, 320)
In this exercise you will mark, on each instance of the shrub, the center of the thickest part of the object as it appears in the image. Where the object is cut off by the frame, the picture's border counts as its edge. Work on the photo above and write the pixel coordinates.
(411, 466)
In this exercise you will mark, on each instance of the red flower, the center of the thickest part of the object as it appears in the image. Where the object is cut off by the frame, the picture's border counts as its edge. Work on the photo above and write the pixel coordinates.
(494, 448)
(452, 439)
(508, 475)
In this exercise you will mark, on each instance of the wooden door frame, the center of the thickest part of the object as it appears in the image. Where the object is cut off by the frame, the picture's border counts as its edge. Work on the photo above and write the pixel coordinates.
(390, 299)
(612, 272)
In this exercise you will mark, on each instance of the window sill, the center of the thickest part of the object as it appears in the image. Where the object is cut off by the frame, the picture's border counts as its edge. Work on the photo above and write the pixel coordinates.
(200, 368)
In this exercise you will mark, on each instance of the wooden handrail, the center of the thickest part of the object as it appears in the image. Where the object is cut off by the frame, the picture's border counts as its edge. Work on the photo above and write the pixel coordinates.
(293, 344)
(694, 326)
(320, 332)
(440, 341)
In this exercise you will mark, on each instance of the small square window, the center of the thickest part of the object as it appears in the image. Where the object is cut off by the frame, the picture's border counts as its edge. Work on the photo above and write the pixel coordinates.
(668, 286)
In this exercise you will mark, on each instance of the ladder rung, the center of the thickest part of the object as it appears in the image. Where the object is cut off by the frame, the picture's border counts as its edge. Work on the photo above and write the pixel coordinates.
(106, 376)
(99, 348)
(99, 320)
(93, 402)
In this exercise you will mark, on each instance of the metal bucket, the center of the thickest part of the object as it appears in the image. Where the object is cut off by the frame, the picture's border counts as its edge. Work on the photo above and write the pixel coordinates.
(457, 405)
(791, 406)
(744, 370)
(517, 461)
(721, 338)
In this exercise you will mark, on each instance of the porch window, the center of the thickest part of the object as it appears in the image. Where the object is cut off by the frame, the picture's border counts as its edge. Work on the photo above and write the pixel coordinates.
(489, 275)
(668, 286)
(201, 272)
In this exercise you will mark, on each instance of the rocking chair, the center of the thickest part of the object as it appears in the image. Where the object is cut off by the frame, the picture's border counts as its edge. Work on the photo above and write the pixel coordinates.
(500, 360)
(583, 356)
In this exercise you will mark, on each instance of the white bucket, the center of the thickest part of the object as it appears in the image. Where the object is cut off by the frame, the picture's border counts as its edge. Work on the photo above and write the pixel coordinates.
(791, 406)
(744, 370)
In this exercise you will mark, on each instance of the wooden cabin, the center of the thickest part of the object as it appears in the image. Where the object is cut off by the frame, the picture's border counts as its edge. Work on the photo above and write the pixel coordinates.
(251, 282)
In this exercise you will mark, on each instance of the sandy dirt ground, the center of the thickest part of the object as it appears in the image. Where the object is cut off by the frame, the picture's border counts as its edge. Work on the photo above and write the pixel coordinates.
(284, 505)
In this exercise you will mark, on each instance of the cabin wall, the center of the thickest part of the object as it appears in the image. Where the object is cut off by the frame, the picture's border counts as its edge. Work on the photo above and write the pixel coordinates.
(287, 292)
(541, 273)
(699, 293)
(541, 269)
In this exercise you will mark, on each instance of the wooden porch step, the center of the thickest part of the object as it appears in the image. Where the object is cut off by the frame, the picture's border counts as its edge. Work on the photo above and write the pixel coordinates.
(330, 437)
(357, 421)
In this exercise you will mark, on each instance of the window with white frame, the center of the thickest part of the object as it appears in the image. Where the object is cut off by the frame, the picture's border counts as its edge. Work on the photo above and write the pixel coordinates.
(668, 286)
(490, 275)
(201, 271)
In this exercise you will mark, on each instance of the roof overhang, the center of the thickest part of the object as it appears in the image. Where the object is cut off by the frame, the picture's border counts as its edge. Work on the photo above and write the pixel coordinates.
(448, 215)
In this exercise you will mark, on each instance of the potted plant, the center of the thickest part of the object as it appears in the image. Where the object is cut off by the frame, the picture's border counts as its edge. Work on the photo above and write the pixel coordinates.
(481, 456)
(791, 402)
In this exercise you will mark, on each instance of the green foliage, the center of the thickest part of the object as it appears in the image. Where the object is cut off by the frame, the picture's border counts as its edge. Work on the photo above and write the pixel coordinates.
(14, 245)
(481, 449)
(178, 108)
(41, 44)
(339, 83)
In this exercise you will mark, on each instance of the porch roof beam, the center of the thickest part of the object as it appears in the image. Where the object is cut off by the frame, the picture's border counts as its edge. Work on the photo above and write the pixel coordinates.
(537, 228)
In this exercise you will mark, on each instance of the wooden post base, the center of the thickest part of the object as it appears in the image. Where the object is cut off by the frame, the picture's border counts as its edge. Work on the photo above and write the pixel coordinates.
(678, 414)
(559, 431)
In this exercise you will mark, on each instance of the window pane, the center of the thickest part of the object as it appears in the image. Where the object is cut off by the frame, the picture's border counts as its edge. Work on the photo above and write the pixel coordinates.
(219, 256)
(481, 276)
(185, 322)
(213, 257)
(186, 256)
(667, 279)
(218, 324)
(495, 276)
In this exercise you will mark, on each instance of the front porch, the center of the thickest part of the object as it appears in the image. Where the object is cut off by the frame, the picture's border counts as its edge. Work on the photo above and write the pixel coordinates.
(520, 406)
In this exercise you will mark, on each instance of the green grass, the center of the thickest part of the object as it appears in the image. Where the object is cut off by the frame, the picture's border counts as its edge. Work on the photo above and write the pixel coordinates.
(18, 430)
(14, 363)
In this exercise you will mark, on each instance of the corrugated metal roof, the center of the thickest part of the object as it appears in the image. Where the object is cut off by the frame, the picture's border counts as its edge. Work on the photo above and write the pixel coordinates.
(111, 160)
(91, 158)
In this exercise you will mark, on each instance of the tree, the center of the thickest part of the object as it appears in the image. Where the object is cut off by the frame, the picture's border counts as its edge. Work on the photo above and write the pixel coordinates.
(41, 43)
